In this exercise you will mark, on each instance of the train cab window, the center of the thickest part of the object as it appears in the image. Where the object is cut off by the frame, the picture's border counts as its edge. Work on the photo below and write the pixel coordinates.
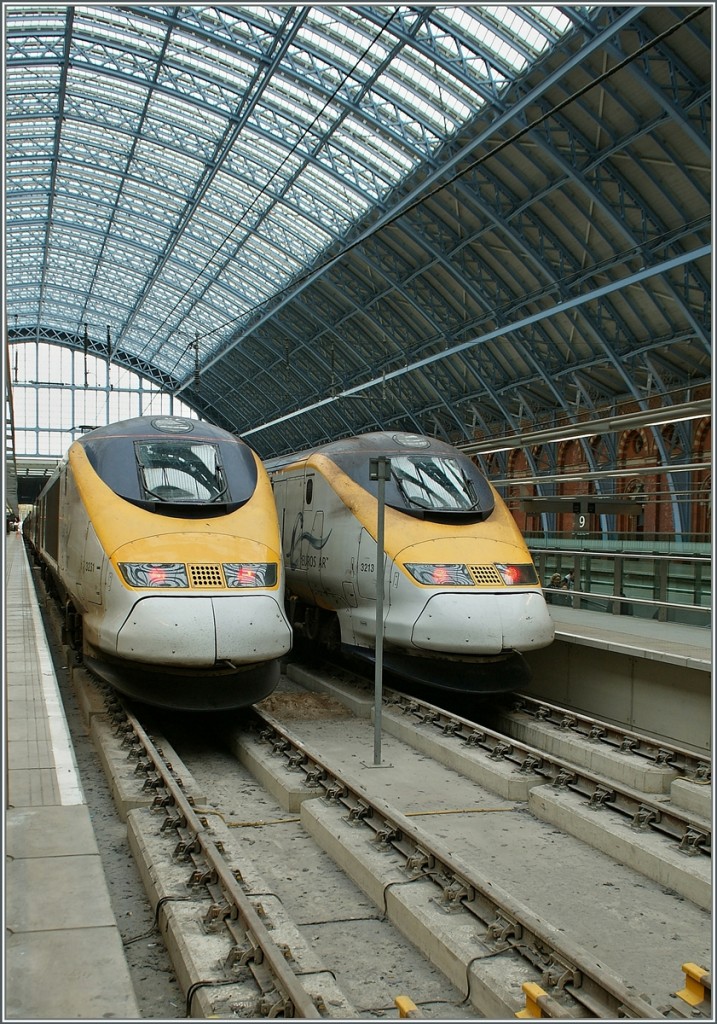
(309, 490)
(440, 487)
(439, 484)
(180, 471)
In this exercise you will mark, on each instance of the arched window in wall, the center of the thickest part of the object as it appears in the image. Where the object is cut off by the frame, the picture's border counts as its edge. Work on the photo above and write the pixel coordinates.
(632, 526)
(517, 493)
(572, 462)
(701, 504)
(638, 450)
(632, 453)
(58, 392)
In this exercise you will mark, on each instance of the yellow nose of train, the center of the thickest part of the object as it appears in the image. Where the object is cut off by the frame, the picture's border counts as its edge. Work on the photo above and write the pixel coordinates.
(162, 536)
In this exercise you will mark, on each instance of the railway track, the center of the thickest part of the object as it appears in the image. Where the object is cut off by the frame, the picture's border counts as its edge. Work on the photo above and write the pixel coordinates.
(463, 899)
(636, 801)
(612, 737)
(223, 907)
(437, 886)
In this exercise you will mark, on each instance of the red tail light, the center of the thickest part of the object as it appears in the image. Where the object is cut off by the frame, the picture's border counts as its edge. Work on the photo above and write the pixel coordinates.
(514, 575)
(245, 576)
(441, 575)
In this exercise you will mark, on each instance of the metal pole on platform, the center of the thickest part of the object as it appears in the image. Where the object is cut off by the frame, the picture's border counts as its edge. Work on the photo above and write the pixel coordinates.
(380, 470)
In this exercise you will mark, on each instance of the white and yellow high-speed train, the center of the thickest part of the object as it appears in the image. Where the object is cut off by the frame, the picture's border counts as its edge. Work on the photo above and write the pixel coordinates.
(462, 599)
(160, 537)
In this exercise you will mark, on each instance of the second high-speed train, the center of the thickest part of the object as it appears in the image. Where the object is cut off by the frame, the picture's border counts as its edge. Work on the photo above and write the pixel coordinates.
(160, 537)
(462, 599)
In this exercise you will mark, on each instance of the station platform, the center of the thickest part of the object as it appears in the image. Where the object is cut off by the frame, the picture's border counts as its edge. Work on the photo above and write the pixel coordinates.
(668, 642)
(649, 676)
(63, 953)
(64, 957)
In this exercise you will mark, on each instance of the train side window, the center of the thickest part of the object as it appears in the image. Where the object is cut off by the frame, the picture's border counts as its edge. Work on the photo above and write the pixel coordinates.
(309, 490)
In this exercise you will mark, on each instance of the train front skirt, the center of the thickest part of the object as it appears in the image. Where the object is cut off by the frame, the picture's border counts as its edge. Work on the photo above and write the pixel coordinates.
(221, 689)
(485, 676)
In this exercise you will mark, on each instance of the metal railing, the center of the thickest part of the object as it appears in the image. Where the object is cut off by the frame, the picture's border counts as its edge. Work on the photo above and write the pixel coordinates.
(665, 587)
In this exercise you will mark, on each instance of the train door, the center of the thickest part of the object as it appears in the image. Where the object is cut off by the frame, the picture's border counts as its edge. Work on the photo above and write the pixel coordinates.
(295, 535)
(278, 487)
(315, 540)
(71, 525)
(293, 519)
(305, 536)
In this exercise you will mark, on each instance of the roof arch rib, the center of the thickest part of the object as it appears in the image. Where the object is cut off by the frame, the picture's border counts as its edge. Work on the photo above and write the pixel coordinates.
(311, 221)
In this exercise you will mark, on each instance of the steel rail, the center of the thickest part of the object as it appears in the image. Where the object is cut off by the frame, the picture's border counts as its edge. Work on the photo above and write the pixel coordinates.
(688, 763)
(693, 837)
(181, 816)
(510, 926)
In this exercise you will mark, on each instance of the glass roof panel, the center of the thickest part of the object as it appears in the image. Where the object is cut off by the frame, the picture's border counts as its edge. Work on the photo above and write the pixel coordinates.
(191, 160)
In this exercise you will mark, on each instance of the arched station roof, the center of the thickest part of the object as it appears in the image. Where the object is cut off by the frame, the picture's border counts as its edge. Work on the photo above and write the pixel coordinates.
(313, 221)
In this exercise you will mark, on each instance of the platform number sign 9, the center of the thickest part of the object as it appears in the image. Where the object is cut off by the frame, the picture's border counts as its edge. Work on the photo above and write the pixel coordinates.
(584, 517)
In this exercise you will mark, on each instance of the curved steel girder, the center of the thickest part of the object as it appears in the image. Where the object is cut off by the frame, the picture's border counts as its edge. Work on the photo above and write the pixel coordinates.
(225, 383)
(635, 199)
(333, 331)
(68, 339)
(216, 161)
(488, 89)
(426, 300)
(259, 82)
(607, 212)
(365, 304)
(446, 167)
(683, 307)
(214, 164)
(61, 97)
(654, 234)
(332, 328)
(82, 160)
(692, 370)
(463, 346)
(95, 119)
(422, 308)
(313, 74)
(124, 330)
(681, 76)
(611, 354)
(582, 365)
(414, 28)
(603, 341)
(402, 25)
(416, 25)
(434, 401)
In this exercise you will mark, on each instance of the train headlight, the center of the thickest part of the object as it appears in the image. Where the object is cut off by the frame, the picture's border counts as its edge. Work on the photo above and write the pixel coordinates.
(250, 574)
(154, 574)
(440, 575)
(517, 575)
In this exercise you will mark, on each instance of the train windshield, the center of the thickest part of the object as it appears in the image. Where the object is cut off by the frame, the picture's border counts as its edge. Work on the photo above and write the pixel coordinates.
(434, 484)
(180, 471)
